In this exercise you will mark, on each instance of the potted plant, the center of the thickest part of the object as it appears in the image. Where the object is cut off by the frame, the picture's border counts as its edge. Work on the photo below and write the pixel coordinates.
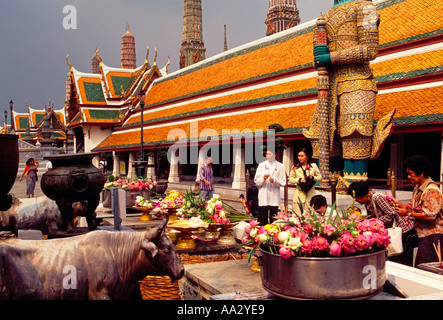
(304, 256)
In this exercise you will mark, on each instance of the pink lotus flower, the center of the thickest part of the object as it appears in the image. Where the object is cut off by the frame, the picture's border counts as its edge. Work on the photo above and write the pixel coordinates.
(285, 253)
(369, 238)
(308, 167)
(307, 246)
(328, 229)
(382, 239)
(253, 223)
(375, 225)
(360, 242)
(320, 243)
(335, 249)
(389, 197)
(308, 228)
(347, 243)
(292, 230)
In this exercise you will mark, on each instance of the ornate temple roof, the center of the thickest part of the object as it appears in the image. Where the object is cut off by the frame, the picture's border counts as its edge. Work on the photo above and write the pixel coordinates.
(108, 97)
(31, 122)
(272, 80)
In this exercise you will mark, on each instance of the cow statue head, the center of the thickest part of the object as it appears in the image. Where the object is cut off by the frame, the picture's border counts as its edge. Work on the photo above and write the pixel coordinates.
(158, 248)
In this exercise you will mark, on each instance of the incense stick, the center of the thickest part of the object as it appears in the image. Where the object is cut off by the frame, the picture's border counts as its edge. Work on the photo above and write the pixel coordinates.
(438, 252)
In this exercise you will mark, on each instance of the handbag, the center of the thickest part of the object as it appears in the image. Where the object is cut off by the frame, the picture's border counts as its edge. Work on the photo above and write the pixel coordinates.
(308, 184)
(396, 245)
(396, 235)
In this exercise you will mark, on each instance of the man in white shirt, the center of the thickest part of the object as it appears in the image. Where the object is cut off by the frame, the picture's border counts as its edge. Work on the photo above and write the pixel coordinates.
(269, 177)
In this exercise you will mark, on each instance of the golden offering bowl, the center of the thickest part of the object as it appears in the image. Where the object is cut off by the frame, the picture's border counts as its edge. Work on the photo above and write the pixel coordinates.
(146, 213)
(186, 239)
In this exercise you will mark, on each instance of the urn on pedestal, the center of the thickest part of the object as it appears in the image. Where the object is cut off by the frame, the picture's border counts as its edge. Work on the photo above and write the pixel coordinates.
(74, 179)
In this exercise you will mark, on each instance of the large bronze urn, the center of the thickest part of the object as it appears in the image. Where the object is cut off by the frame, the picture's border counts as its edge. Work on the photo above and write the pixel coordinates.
(73, 179)
(9, 157)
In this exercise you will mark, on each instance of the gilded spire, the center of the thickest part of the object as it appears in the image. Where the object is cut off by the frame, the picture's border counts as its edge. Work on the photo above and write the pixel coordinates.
(192, 43)
(128, 57)
(95, 62)
(225, 48)
(282, 15)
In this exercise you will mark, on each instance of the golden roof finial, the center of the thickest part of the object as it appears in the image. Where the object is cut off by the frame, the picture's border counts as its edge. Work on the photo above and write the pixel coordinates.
(127, 26)
(67, 61)
(147, 54)
(155, 58)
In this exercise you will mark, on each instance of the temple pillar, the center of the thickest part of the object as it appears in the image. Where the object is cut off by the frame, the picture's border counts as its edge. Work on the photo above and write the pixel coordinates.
(116, 166)
(96, 161)
(151, 168)
(201, 160)
(288, 159)
(131, 169)
(174, 176)
(239, 181)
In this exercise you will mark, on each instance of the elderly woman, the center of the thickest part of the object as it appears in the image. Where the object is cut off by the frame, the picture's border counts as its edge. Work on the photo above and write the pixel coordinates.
(302, 171)
(425, 208)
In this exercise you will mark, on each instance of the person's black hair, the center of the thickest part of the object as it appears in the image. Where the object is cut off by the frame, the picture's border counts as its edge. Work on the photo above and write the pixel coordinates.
(318, 201)
(307, 153)
(28, 162)
(360, 188)
(419, 164)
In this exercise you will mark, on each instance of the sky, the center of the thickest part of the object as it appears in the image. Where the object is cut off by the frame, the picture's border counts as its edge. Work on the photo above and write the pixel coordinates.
(36, 38)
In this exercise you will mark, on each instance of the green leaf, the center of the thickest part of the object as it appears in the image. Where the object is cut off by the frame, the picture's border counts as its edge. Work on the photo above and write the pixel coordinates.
(251, 253)
(332, 210)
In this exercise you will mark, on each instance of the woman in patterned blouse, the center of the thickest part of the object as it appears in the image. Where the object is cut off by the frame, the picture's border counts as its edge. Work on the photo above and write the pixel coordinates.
(425, 208)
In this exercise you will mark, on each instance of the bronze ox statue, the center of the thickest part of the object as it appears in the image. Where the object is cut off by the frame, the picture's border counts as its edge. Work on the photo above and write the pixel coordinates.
(40, 213)
(97, 265)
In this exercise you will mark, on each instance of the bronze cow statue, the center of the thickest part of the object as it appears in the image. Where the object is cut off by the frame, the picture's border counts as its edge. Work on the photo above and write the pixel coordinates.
(97, 265)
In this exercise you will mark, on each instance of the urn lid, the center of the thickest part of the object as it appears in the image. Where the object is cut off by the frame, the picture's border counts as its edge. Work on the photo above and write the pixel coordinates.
(73, 158)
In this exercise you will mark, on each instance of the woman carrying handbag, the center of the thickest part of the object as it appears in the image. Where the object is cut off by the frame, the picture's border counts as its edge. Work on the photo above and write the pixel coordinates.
(304, 174)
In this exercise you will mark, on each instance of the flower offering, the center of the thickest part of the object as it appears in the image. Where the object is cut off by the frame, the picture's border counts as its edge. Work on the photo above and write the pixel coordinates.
(142, 202)
(217, 213)
(307, 235)
(173, 200)
(132, 184)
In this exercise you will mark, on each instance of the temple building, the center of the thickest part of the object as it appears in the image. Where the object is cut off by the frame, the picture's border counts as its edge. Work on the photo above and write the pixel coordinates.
(30, 126)
(192, 48)
(99, 102)
(282, 15)
(270, 82)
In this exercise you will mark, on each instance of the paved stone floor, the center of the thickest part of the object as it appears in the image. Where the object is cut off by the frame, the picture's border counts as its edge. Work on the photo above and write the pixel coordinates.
(19, 188)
